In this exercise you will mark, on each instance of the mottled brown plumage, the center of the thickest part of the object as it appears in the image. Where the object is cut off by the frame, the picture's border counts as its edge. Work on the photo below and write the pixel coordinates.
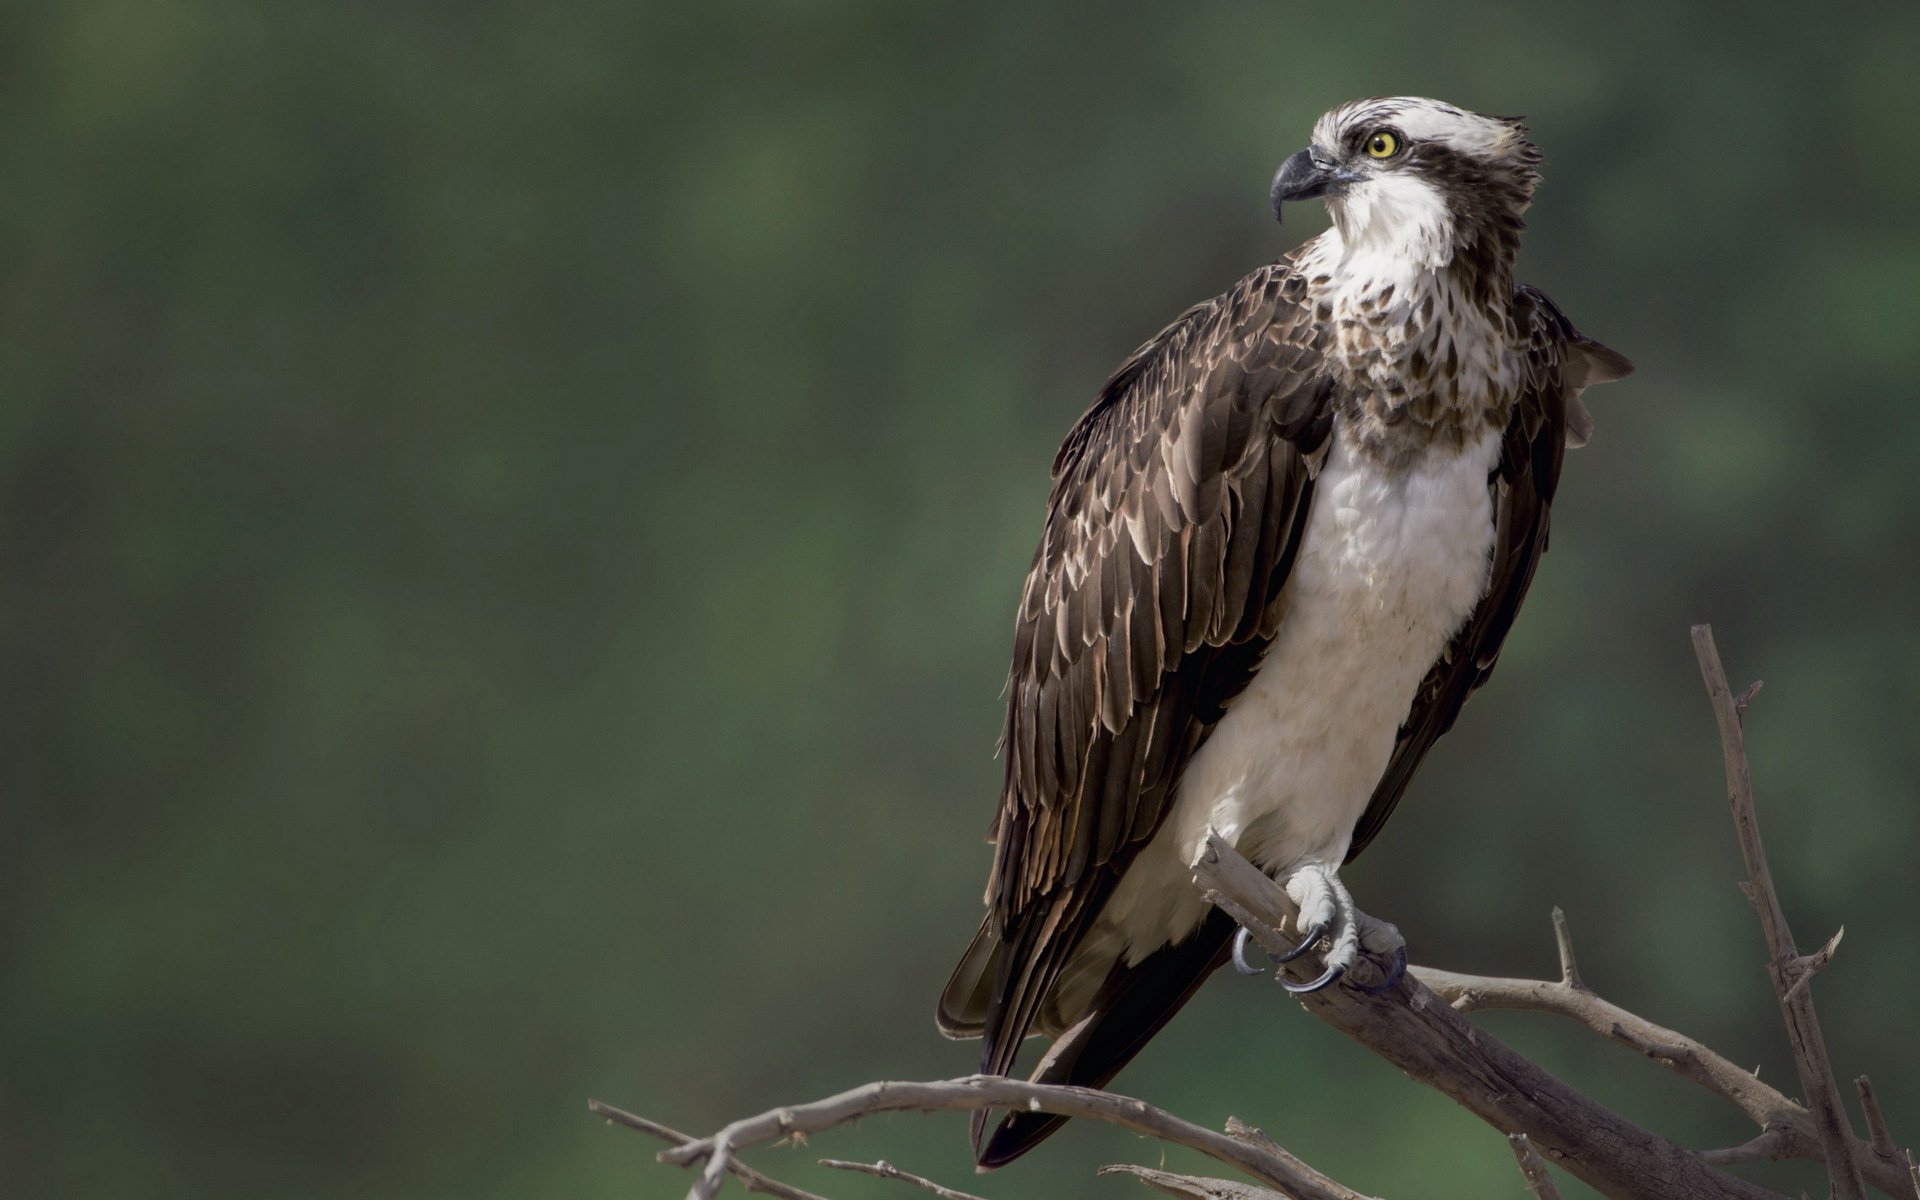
(1548, 417)
(1177, 510)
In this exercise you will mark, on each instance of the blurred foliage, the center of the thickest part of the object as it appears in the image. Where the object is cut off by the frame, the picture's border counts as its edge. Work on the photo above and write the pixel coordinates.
(512, 513)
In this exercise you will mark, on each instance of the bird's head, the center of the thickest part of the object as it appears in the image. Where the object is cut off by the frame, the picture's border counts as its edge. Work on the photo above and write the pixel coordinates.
(1415, 177)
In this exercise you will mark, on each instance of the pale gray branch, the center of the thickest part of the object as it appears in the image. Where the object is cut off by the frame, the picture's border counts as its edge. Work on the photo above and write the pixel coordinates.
(1539, 1182)
(1876, 1120)
(1270, 1166)
(749, 1178)
(1677, 1052)
(1796, 1000)
(1193, 1187)
(1789, 1130)
(1240, 1131)
(886, 1170)
(1563, 942)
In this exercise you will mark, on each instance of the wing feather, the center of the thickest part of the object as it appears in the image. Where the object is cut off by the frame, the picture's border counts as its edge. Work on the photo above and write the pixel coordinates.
(1177, 501)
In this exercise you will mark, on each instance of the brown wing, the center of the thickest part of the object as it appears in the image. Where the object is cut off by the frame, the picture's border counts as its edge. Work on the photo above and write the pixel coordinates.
(1561, 363)
(1177, 503)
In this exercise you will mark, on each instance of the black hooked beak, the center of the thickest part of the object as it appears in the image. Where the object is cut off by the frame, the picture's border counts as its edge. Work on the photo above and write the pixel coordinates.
(1307, 176)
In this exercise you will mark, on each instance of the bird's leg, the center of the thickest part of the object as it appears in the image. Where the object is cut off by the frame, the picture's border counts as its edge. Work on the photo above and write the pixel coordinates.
(1327, 913)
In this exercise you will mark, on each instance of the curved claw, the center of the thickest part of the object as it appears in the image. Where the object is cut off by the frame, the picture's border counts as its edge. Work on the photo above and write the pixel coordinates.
(1307, 943)
(1244, 938)
(1394, 975)
(1240, 962)
(1302, 989)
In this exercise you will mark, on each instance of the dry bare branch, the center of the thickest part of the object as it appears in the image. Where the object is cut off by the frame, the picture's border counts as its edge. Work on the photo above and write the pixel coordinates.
(1876, 1120)
(1271, 1166)
(1690, 1059)
(749, 1178)
(1193, 1187)
(1787, 1126)
(1420, 1026)
(1796, 1002)
(1416, 1030)
(1240, 1131)
(1532, 1165)
(886, 1170)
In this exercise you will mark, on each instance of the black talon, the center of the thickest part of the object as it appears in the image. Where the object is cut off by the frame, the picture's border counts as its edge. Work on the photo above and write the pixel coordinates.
(1394, 976)
(1244, 936)
(1307, 943)
(1301, 989)
(1240, 962)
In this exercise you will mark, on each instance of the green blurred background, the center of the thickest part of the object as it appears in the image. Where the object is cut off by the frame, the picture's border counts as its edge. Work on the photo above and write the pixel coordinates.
(512, 514)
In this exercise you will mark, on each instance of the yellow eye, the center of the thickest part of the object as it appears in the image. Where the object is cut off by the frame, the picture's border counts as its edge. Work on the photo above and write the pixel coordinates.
(1383, 145)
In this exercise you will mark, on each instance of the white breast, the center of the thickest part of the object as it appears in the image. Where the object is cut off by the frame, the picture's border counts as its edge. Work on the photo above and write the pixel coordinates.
(1392, 562)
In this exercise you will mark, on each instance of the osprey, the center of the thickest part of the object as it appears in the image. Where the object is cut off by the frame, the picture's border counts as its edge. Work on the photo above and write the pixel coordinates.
(1281, 549)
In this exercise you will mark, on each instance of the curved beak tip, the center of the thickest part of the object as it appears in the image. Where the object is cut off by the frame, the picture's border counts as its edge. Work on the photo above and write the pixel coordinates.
(1301, 178)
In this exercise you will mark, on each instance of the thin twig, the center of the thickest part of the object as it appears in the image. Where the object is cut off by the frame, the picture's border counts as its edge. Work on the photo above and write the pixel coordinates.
(1193, 1187)
(886, 1170)
(1675, 1051)
(1275, 1168)
(1563, 942)
(1803, 968)
(1876, 1120)
(1796, 1003)
(749, 1178)
(1532, 1165)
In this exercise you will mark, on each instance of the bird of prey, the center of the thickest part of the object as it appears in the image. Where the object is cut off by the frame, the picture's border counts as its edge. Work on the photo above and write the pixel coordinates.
(1281, 549)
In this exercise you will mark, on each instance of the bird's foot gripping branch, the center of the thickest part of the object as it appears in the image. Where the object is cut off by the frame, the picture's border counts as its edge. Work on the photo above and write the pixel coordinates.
(1420, 1025)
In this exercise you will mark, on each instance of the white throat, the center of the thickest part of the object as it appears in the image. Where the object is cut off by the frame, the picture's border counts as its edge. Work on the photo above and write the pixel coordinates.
(1393, 224)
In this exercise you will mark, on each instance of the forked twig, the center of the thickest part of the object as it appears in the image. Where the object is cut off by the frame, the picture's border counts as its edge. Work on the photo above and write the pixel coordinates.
(749, 1178)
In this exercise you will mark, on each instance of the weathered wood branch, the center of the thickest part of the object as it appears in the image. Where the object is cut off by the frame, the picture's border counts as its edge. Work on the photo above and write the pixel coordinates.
(1876, 1120)
(749, 1178)
(1678, 1053)
(1532, 1166)
(1789, 972)
(1786, 1126)
(1417, 1031)
(886, 1170)
(1192, 1187)
(1269, 1164)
